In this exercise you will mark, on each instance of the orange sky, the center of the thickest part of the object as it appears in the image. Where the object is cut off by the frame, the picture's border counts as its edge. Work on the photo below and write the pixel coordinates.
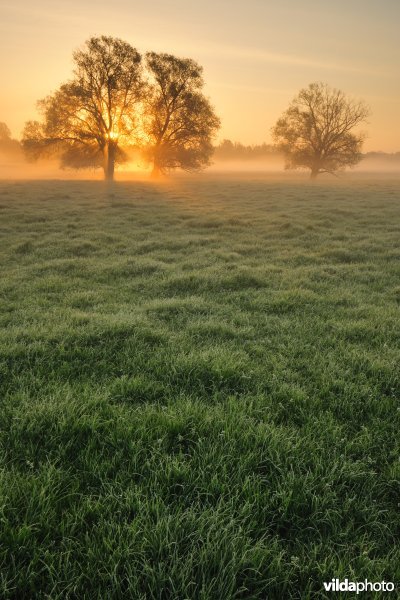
(256, 54)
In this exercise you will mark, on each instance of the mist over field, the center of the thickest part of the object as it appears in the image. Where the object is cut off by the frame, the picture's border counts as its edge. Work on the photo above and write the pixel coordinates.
(13, 165)
(374, 163)
(228, 157)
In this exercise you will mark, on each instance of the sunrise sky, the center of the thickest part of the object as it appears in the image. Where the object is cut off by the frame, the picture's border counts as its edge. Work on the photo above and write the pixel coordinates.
(256, 54)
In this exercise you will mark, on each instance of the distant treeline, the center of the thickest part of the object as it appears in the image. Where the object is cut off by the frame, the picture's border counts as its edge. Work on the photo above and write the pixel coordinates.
(228, 150)
(393, 157)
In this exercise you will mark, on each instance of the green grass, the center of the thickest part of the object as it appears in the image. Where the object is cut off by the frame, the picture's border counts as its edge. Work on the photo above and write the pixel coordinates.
(200, 388)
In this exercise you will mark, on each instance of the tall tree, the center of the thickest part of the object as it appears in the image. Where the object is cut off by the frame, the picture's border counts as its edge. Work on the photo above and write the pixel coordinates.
(88, 119)
(316, 131)
(179, 120)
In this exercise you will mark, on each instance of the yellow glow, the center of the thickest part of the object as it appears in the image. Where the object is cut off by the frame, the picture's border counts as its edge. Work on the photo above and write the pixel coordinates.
(112, 135)
(253, 67)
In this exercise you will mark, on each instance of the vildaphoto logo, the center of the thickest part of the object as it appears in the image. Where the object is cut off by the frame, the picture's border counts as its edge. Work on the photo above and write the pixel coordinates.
(336, 585)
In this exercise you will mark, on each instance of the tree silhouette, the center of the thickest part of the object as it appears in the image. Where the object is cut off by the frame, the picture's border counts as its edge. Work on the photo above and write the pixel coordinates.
(88, 119)
(8, 146)
(5, 133)
(316, 131)
(179, 120)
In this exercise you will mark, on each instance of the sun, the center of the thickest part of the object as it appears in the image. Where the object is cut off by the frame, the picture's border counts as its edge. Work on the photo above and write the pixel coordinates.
(112, 135)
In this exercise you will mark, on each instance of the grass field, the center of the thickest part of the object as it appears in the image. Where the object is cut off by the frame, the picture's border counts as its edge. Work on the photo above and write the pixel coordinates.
(200, 386)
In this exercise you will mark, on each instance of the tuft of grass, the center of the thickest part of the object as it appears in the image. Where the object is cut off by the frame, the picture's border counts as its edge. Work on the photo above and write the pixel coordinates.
(200, 387)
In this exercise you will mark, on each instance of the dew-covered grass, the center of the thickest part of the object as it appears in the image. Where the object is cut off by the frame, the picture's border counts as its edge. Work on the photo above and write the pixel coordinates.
(199, 388)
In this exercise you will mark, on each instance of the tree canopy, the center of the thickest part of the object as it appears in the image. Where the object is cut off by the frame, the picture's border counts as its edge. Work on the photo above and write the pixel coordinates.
(112, 103)
(316, 131)
(87, 120)
(179, 120)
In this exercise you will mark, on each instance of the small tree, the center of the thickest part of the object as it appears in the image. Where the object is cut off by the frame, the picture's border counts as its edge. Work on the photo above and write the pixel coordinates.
(8, 146)
(316, 131)
(179, 121)
(87, 120)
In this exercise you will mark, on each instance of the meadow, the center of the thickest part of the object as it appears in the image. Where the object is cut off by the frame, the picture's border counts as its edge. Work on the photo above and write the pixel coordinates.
(199, 387)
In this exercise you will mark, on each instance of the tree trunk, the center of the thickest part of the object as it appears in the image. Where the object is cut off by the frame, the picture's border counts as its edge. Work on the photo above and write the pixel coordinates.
(109, 161)
(314, 173)
(157, 171)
